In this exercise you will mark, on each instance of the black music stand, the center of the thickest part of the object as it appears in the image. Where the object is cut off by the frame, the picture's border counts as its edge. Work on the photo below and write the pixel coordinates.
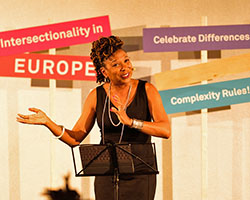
(116, 159)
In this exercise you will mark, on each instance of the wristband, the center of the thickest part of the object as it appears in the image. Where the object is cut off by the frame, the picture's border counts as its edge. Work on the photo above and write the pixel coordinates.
(63, 131)
(137, 124)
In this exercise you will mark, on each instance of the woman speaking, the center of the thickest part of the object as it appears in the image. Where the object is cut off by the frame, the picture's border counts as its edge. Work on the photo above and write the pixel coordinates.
(127, 111)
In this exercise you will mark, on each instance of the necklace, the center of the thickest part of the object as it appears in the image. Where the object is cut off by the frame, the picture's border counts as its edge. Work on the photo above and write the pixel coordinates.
(109, 114)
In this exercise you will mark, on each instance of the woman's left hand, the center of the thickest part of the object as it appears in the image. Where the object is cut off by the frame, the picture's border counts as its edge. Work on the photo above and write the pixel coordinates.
(121, 112)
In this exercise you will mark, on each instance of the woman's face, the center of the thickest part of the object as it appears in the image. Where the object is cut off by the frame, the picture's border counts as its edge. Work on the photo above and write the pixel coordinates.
(118, 68)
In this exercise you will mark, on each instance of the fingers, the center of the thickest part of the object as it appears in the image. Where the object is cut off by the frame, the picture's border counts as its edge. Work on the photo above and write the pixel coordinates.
(117, 110)
(28, 116)
(120, 106)
(117, 100)
(23, 116)
(122, 115)
(114, 110)
(34, 110)
(35, 118)
(22, 120)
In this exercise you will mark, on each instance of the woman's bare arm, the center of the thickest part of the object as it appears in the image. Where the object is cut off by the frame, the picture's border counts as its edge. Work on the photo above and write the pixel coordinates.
(71, 137)
(160, 127)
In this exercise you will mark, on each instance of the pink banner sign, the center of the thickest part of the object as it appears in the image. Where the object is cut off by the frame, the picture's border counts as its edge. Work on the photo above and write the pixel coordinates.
(53, 35)
(41, 66)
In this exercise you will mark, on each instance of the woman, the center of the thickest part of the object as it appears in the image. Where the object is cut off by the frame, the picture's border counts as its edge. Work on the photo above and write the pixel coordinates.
(127, 111)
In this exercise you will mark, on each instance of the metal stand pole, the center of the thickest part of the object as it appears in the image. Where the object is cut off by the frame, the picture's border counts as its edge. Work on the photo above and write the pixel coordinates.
(116, 184)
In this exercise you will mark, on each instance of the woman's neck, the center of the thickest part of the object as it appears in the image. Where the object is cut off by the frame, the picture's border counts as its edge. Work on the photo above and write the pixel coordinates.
(120, 87)
(121, 90)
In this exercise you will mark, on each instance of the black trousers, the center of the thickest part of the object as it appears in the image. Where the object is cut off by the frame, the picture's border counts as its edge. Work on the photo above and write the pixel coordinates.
(139, 187)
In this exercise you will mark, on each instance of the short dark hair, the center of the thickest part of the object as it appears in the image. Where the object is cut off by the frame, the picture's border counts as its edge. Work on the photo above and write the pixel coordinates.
(101, 50)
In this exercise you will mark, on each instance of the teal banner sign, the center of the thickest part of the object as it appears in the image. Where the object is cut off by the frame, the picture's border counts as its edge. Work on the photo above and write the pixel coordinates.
(206, 96)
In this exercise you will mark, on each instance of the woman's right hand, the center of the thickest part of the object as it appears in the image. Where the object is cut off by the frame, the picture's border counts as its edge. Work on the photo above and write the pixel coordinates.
(39, 118)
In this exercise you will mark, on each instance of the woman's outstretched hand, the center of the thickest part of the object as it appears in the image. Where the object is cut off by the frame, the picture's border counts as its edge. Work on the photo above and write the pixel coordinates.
(39, 118)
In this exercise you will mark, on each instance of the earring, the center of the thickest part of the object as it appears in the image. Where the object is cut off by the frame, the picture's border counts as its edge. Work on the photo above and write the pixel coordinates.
(106, 79)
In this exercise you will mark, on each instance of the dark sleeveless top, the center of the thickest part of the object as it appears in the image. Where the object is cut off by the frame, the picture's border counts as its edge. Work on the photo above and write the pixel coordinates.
(134, 187)
(137, 109)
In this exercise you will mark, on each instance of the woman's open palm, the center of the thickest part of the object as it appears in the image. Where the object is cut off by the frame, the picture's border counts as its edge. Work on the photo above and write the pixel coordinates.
(39, 118)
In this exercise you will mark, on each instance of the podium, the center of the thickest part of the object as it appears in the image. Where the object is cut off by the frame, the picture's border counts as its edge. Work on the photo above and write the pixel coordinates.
(114, 160)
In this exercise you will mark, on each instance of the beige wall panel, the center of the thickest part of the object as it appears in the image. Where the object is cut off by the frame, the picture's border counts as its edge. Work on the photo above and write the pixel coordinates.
(245, 157)
(200, 72)
(220, 145)
(34, 146)
(186, 157)
(122, 13)
(67, 111)
(4, 167)
(44, 164)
